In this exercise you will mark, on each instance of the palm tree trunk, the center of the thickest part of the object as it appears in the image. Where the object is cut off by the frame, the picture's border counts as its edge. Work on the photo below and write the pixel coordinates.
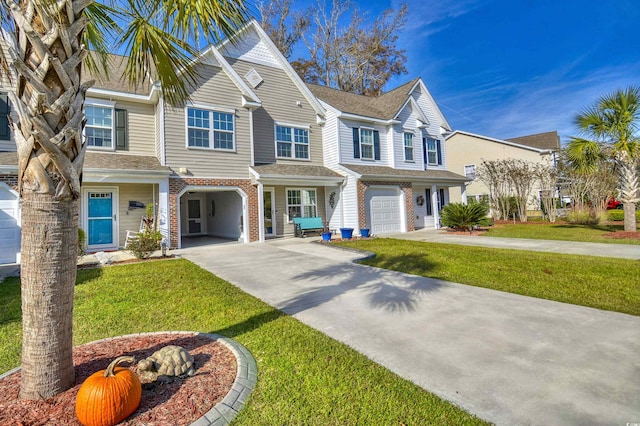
(48, 99)
(628, 188)
(49, 250)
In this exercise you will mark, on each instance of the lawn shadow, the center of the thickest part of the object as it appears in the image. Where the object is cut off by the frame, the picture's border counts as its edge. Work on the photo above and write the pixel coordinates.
(388, 290)
(88, 274)
(250, 324)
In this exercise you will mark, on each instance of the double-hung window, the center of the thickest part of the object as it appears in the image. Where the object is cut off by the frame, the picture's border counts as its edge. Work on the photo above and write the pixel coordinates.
(433, 152)
(98, 129)
(5, 133)
(210, 129)
(366, 143)
(292, 142)
(301, 203)
(470, 171)
(408, 147)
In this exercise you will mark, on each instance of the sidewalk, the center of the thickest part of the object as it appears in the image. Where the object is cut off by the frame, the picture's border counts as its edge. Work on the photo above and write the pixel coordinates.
(624, 251)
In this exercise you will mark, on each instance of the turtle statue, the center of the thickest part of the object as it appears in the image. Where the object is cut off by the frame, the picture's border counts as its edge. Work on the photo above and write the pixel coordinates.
(170, 361)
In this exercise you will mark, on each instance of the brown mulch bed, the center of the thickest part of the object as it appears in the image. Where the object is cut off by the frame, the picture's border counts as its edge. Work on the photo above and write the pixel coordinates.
(624, 235)
(180, 402)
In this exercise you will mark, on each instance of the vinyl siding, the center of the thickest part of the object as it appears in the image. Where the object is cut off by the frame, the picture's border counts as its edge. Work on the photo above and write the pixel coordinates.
(408, 119)
(141, 127)
(159, 136)
(433, 129)
(279, 97)
(346, 144)
(330, 138)
(283, 227)
(466, 150)
(129, 219)
(215, 89)
(350, 204)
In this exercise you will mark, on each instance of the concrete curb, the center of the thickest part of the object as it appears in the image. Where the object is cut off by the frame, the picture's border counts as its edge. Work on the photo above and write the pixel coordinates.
(246, 377)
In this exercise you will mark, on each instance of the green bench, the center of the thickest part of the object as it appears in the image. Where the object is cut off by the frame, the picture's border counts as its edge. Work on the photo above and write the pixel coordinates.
(307, 224)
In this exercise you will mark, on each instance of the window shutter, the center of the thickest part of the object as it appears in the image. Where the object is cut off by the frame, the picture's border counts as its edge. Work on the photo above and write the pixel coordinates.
(428, 202)
(121, 130)
(438, 150)
(356, 142)
(376, 145)
(4, 116)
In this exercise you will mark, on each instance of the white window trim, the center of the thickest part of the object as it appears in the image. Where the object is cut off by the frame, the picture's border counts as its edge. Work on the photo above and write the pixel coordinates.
(302, 206)
(404, 146)
(435, 150)
(373, 144)
(211, 110)
(101, 103)
(293, 143)
(475, 171)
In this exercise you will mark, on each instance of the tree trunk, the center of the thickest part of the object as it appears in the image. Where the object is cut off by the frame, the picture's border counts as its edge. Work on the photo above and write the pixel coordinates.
(49, 259)
(628, 188)
(629, 217)
(48, 99)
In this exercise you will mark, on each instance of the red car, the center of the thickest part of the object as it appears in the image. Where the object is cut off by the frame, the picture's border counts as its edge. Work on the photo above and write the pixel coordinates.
(614, 204)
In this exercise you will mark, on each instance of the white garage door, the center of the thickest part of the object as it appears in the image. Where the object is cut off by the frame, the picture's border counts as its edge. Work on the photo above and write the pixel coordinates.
(383, 206)
(9, 228)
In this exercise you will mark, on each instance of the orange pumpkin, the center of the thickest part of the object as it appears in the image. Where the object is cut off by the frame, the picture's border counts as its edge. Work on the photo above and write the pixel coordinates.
(109, 396)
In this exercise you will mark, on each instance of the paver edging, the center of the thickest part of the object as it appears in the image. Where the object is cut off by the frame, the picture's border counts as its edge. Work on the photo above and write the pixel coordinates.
(246, 377)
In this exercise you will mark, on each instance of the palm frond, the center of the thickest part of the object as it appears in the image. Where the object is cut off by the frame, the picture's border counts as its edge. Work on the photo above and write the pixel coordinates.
(187, 19)
(155, 51)
(99, 36)
(584, 155)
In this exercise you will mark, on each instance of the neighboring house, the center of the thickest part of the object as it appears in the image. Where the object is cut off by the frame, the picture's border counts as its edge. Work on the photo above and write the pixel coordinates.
(467, 151)
(391, 148)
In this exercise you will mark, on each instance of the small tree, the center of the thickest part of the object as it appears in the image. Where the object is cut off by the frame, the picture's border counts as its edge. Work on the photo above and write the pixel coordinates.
(547, 176)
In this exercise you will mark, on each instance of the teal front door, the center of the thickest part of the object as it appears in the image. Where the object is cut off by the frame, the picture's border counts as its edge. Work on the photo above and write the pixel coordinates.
(100, 220)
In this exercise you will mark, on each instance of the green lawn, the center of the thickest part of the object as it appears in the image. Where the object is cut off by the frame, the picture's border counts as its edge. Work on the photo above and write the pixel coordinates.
(598, 282)
(304, 376)
(560, 231)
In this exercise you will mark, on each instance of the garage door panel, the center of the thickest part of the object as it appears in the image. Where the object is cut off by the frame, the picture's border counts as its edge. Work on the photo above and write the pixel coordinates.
(384, 211)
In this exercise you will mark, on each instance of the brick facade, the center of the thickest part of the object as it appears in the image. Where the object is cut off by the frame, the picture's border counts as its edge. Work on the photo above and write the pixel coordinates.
(10, 180)
(406, 188)
(177, 184)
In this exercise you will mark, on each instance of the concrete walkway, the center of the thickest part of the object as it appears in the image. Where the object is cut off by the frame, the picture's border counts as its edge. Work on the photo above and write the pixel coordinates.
(509, 359)
(625, 251)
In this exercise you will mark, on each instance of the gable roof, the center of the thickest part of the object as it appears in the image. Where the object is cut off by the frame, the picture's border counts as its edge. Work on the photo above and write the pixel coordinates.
(253, 25)
(500, 141)
(547, 140)
(114, 81)
(384, 107)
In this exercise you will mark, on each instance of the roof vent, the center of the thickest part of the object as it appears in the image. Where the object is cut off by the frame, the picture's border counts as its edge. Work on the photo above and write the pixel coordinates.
(253, 78)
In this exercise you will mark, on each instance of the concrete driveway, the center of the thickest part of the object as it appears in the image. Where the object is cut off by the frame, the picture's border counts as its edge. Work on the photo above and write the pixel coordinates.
(506, 358)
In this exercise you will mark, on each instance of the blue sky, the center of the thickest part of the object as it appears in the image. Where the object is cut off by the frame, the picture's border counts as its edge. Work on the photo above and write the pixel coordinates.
(508, 68)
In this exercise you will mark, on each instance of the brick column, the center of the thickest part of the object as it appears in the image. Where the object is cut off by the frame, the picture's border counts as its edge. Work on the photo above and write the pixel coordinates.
(177, 184)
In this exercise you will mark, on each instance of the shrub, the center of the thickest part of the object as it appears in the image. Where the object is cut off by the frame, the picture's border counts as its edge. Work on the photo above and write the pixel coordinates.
(81, 239)
(145, 243)
(463, 216)
(584, 217)
(618, 215)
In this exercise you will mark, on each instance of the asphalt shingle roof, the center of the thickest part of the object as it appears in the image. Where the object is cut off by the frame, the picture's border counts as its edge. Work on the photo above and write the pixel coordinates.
(547, 140)
(104, 161)
(295, 170)
(384, 107)
(388, 172)
(114, 79)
